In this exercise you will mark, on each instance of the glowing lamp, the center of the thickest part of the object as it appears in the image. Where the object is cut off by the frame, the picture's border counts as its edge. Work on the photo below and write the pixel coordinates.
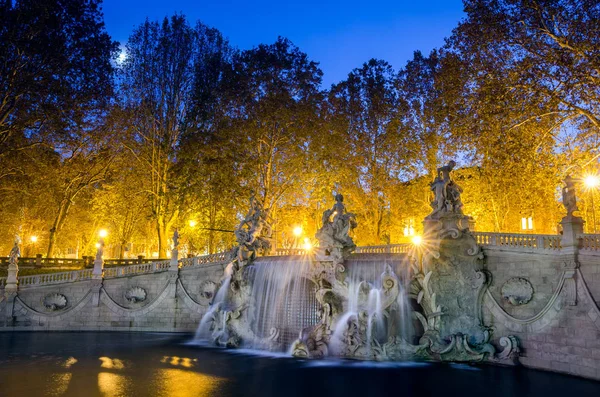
(192, 223)
(298, 231)
(417, 240)
(103, 233)
(307, 244)
(591, 181)
(34, 239)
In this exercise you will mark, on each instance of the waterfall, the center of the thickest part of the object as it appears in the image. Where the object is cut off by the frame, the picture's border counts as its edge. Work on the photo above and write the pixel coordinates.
(204, 331)
(284, 301)
(364, 278)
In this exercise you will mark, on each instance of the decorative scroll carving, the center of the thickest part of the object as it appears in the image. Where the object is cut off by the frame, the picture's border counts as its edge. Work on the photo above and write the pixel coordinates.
(517, 291)
(135, 295)
(208, 289)
(55, 302)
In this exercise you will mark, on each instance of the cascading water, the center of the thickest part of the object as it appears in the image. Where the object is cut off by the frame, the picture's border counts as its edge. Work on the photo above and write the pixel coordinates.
(208, 329)
(365, 305)
(283, 300)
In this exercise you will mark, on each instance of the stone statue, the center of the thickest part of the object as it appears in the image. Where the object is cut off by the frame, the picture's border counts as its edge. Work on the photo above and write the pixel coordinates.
(254, 232)
(15, 252)
(337, 224)
(569, 197)
(446, 193)
(175, 239)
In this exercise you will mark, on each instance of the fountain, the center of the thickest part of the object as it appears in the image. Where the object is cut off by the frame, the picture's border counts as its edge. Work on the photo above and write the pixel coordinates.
(334, 303)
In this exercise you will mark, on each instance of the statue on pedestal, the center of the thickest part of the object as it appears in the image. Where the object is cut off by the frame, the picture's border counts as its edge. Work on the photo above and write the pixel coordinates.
(254, 232)
(569, 197)
(446, 193)
(337, 224)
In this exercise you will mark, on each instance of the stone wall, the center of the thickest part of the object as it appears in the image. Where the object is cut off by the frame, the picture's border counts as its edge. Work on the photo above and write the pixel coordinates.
(559, 328)
(167, 301)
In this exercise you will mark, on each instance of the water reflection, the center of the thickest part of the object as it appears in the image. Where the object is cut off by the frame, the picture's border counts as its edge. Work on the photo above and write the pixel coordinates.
(96, 364)
(58, 384)
(112, 385)
(183, 383)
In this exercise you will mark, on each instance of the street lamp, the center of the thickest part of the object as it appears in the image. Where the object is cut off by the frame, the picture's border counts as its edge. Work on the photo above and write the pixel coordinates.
(591, 182)
(192, 223)
(417, 240)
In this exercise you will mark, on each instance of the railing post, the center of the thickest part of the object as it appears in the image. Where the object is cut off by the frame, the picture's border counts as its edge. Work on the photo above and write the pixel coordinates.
(540, 243)
(38, 260)
(492, 239)
(140, 259)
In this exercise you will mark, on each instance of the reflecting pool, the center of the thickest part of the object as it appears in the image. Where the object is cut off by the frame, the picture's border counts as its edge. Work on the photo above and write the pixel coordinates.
(129, 364)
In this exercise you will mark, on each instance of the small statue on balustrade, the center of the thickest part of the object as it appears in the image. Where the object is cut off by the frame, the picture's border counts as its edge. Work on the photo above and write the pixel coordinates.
(15, 252)
(569, 196)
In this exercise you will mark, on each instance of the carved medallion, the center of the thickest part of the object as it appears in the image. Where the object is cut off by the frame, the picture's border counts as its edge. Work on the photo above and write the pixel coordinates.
(517, 291)
(208, 289)
(55, 302)
(135, 295)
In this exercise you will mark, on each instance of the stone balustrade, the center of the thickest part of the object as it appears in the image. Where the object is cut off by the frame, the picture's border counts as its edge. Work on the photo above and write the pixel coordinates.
(143, 268)
(519, 242)
(289, 251)
(54, 278)
(384, 249)
(589, 242)
(220, 257)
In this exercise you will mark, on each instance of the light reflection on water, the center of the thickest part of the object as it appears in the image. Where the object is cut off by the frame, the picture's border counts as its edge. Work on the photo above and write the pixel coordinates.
(182, 383)
(97, 364)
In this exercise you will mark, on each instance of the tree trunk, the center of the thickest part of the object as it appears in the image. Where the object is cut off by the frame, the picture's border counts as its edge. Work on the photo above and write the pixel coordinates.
(63, 209)
(162, 238)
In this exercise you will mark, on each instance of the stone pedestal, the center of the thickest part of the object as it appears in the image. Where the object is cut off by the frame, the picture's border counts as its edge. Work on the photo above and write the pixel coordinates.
(174, 264)
(11, 279)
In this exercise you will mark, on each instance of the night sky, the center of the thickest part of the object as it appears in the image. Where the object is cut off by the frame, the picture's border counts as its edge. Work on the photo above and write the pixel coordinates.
(341, 35)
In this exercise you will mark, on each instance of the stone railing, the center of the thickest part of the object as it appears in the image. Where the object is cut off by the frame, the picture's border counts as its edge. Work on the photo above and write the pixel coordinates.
(220, 257)
(589, 242)
(513, 241)
(2, 282)
(289, 251)
(151, 267)
(54, 278)
(384, 249)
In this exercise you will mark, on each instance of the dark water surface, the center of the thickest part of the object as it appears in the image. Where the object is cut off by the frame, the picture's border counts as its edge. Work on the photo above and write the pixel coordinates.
(123, 364)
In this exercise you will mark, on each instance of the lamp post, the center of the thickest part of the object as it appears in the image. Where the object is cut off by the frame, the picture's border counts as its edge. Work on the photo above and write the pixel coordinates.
(591, 182)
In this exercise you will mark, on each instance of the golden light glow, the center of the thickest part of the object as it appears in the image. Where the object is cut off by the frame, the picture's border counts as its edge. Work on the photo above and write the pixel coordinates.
(97, 245)
(417, 240)
(176, 382)
(34, 239)
(298, 231)
(307, 246)
(103, 233)
(591, 181)
(192, 223)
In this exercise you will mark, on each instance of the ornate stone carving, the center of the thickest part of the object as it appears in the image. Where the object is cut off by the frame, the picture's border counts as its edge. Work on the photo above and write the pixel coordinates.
(135, 295)
(517, 291)
(254, 232)
(208, 289)
(55, 302)
(335, 242)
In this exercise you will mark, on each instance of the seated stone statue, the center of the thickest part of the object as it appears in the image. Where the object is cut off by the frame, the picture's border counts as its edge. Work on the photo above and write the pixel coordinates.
(253, 234)
(335, 232)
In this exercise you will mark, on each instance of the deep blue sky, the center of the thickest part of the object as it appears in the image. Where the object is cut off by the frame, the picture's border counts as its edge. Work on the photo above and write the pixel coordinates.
(340, 35)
